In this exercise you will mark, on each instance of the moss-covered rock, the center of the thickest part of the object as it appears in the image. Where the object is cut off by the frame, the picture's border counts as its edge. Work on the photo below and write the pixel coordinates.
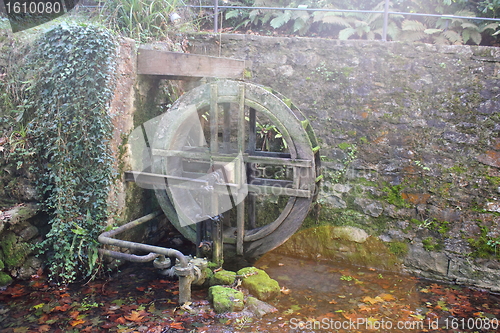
(5, 279)
(14, 251)
(225, 299)
(223, 277)
(259, 283)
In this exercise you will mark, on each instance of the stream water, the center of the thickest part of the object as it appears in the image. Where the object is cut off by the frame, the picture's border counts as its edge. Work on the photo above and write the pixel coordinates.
(316, 297)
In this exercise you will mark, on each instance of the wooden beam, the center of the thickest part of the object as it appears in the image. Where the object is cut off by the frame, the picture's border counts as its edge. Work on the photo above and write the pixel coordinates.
(175, 64)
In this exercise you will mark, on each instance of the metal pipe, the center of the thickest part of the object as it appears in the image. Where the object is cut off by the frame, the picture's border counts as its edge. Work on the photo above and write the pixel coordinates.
(353, 11)
(297, 9)
(128, 256)
(185, 271)
(386, 21)
(216, 16)
(106, 238)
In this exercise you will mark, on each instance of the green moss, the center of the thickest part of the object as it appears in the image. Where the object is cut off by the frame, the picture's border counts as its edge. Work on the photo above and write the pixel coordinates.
(5, 279)
(14, 252)
(394, 196)
(212, 265)
(323, 241)
(431, 244)
(400, 249)
(223, 277)
(2, 265)
(225, 299)
(247, 74)
(346, 146)
(259, 283)
(485, 246)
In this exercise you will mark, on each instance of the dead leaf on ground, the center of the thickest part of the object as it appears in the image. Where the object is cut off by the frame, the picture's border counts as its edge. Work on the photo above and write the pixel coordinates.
(76, 322)
(135, 316)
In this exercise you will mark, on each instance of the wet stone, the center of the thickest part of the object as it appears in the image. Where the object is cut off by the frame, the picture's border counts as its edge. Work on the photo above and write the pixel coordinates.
(349, 233)
(259, 283)
(259, 308)
(223, 277)
(225, 299)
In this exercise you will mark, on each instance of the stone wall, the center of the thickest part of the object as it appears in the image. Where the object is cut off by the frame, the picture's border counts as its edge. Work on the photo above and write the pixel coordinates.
(409, 141)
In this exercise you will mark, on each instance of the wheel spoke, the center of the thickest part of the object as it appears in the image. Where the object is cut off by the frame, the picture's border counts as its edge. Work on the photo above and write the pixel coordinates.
(279, 179)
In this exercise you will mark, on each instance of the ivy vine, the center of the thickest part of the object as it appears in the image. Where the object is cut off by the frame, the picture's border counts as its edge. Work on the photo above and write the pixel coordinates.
(71, 75)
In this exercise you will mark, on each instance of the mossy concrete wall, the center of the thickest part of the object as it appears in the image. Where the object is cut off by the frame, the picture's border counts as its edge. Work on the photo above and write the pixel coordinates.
(409, 141)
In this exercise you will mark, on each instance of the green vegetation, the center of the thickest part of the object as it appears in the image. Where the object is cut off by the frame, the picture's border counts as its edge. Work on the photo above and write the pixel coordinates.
(14, 251)
(5, 279)
(70, 72)
(259, 283)
(225, 299)
(140, 19)
(400, 249)
(343, 25)
(223, 277)
(431, 244)
(484, 245)
(442, 227)
(394, 196)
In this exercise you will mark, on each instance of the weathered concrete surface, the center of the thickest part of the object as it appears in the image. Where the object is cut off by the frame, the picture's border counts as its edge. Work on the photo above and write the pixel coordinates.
(409, 136)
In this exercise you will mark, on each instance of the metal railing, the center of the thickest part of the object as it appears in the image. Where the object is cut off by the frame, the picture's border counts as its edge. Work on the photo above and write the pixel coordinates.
(216, 9)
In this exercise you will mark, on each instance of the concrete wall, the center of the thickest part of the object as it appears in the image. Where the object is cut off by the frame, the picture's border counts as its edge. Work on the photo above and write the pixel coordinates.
(409, 137)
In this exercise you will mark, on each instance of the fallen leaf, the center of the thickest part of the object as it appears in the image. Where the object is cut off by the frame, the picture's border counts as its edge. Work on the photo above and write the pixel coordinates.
(368, 299)
(74, 314)
(285, 290)
(418, 316)
(134, 316)
(176, 325)
(76, 322)
(62, 308)
(44, 328)
(387, 297)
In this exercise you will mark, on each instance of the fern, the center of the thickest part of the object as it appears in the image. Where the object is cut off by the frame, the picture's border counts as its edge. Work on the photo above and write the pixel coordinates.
(346, 33)
(490, 26)
(413, 36)
(301, 22)
(281, 19)
(232, 13)
(432, 31)
(453, 36)
(331, 18)
(468, 25)
(412, 25)
(473, 35)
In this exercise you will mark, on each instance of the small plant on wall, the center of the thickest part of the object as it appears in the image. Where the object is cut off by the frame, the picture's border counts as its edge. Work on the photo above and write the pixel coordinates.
(71, 71)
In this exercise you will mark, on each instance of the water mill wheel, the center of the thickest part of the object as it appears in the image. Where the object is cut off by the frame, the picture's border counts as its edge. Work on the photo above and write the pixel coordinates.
(240, 153)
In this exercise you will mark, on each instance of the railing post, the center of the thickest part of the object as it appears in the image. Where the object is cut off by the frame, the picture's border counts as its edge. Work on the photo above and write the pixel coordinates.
(386, 21)
(216, 16)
